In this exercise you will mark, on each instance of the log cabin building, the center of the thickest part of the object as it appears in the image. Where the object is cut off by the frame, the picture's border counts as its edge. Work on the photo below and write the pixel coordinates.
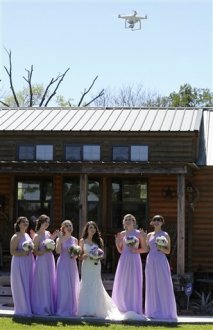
(101, 163)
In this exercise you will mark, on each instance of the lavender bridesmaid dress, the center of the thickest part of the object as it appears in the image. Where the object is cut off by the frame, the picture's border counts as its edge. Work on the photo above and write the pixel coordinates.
(67, 281)
(128, 284)
(160, 299)
(43, 290)
(21, 280)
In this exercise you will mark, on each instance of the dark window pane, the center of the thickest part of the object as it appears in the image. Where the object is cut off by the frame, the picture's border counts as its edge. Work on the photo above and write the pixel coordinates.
(120, 153)
(71, 203)
(129, 197)
(26, 152)
(73, 153)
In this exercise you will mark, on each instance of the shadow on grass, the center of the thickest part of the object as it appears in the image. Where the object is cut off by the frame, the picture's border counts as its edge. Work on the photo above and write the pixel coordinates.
(96, 322)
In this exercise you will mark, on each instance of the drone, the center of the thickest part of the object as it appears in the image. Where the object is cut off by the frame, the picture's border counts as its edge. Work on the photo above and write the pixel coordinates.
(132, 22)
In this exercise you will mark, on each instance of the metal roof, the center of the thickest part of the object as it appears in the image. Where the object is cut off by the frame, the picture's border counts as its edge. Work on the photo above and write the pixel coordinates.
(206, 139)
(101, 119)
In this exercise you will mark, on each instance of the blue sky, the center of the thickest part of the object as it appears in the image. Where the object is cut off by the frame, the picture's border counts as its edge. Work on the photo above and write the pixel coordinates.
(174, 46)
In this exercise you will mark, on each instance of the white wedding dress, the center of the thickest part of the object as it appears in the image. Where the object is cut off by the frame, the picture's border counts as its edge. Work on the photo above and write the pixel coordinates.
(93, 298)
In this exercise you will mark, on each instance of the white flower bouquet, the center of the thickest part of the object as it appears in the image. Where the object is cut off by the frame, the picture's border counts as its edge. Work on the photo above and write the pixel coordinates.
(27, 246)
(161, 241)
(96, 254)
(49, 244)
(74, 251)
(132, 241)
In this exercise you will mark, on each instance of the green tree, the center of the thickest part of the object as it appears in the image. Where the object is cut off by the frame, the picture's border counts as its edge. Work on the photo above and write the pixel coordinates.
(137, 96)
(190, 97)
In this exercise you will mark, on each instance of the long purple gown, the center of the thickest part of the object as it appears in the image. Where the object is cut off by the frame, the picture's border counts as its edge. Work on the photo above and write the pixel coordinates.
(128, 283)
(21, 276)
(43, 289)
(160, 299)
(67, 281)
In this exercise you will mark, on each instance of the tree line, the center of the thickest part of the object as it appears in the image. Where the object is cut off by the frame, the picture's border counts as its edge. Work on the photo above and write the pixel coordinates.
(38, 95)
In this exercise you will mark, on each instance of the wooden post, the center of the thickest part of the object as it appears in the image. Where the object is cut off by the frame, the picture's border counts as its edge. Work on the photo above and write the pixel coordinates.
(83, 202)
(181, 224)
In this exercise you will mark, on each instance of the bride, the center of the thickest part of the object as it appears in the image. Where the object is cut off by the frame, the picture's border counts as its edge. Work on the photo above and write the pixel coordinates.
(93, 298)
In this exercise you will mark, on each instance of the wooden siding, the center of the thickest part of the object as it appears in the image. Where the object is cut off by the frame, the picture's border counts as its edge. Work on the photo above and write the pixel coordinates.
(5, 183)
(202, 232)
(167, 207)
(6, 221)
(162, 148)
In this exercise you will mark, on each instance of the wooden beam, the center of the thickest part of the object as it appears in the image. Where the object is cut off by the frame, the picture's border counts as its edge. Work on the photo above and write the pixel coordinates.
(180, 224)
(83, 202)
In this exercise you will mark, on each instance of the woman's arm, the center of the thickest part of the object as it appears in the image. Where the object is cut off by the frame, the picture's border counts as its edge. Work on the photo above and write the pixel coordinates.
(119, 242)
(58, 245)
(83, 255)
(58, 241)
(36, 251)
(13, 247)
(143, 247)
(166, 249)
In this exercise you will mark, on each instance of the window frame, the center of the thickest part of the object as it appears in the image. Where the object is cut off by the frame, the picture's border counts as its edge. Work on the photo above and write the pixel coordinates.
(82, 152)
(130, 153)
(35, 157)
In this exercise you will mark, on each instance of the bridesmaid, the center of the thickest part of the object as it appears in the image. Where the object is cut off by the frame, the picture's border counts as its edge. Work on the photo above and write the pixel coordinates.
(22, 266)
(67, 272)
(160, 299)
(128, 283)
(43, 290)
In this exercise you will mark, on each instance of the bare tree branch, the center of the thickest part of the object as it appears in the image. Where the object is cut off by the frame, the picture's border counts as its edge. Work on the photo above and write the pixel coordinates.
(29, 81)
(87, 91)
(6, 105)
(95, 98)
(9, 72)
(52, 81)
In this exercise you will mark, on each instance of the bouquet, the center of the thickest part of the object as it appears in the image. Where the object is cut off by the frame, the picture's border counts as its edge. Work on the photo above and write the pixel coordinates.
(132, 241)
(96, 254)
(27, 246)
(161, 241)
(74, 250)
(49, 244)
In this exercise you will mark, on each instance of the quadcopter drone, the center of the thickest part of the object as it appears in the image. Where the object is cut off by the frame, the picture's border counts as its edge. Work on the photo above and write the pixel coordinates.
(132, 22)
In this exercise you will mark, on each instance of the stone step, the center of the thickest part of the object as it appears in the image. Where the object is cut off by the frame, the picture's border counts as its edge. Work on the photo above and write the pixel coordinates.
(5, 290)
(4, 279)
(6, 300)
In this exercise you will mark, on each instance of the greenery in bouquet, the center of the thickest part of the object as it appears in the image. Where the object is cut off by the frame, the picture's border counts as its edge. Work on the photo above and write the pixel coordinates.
(75, 251)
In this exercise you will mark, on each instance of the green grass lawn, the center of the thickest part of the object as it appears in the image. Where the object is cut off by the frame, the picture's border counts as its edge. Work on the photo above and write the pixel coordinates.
(7, 323)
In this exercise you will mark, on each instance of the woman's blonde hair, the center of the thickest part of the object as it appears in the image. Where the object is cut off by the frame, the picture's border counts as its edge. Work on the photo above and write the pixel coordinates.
(64, 223)
(129, 215)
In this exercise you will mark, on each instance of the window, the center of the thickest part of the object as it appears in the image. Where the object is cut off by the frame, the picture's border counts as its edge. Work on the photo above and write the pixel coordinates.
(139, 153)
(72, 201)
(44, 152)
(26, 152)
(36, 152)
(129, 197)
(130, 153)
(34, 197)
(73, 153)
(91, 152)
(120, 153)
(82, 152)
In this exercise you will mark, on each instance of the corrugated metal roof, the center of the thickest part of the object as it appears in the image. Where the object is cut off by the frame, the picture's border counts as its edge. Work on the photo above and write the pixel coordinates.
(206, 139)
(100, 119)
